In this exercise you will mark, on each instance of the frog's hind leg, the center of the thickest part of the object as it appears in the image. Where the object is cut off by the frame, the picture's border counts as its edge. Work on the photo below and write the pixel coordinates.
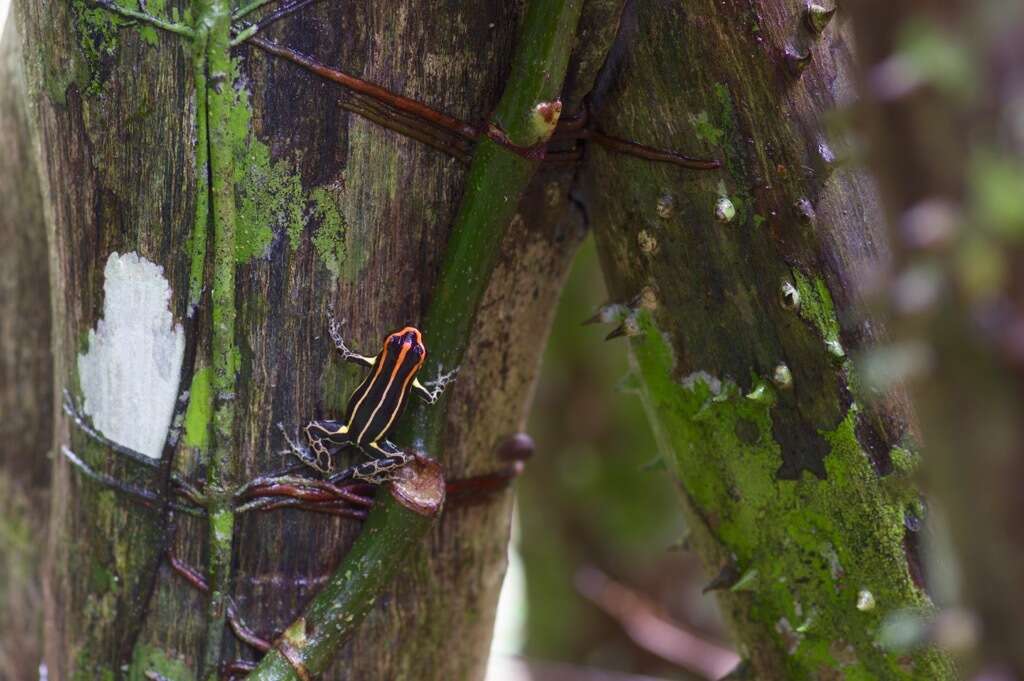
(325, 438)
(379, 470)
(296, 448)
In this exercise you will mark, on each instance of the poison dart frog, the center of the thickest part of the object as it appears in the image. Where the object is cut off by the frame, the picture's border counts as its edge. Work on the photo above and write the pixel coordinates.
(374, 408)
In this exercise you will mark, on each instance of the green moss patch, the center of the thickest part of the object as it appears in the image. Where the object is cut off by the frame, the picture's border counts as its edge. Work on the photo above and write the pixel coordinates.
(199, 413)
(814, 544)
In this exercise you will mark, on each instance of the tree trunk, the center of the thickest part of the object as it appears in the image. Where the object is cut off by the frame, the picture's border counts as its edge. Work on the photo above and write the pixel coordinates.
(741, 291)
(331, 208)
(944, 82)
(25, 375)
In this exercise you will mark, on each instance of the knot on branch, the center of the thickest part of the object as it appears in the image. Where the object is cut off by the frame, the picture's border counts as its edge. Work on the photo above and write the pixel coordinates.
(420, 486)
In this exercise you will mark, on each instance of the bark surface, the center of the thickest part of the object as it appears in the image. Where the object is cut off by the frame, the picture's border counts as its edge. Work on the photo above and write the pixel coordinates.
(740, 290)
(25, 378)
(332, 208)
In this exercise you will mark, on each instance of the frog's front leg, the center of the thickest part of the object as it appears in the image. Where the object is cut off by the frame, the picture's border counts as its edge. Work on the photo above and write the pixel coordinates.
(334, 329)
(431, 391)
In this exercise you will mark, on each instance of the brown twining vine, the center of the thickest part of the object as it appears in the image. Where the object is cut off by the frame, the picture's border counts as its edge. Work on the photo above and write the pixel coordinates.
(452, 135)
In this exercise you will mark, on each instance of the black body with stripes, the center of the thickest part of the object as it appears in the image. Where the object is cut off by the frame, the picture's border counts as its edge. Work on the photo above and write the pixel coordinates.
(375, 406)
(377, 403)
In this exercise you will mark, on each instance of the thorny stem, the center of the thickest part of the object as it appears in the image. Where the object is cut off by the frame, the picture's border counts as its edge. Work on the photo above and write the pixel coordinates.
(187, 490)
(269, 492)
(421, 122)
(188, 573)
(307, 646)
(304, 489)
(318, 496)
(75, 412)
(409, 126)
(282, 501)
(243, 632)
(238, 668)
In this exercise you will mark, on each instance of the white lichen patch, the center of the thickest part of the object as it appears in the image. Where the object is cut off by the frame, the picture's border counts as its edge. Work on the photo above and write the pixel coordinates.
(713, 383)
(129, 375)
(725, 211)
(865, 600)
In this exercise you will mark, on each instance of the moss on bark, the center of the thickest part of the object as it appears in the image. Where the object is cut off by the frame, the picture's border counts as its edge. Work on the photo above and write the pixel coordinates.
(754, 274)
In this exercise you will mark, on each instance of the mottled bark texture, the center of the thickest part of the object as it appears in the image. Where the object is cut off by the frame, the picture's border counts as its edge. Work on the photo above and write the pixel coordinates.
(331, 208)
(944, 82)
(25, 374)
(744, 286)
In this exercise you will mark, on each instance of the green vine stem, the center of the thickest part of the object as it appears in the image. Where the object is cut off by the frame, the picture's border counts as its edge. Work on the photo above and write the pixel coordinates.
(306, 647)
(214, 16)
(202, 212)
(526, 116)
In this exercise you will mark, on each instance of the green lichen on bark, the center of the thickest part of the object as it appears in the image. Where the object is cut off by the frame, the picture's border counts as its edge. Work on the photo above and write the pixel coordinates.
(815, 306)
(149, 663)
(199, 413)
(813, 544)
(110, 609)
(271, 199)
(269, 193)
(329, 238)
(98, 35)
(98, 31)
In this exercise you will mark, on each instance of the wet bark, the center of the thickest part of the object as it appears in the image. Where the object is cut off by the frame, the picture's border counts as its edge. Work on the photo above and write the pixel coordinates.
(25, 378)
(741, 291)
(943, 142)
(332, 209)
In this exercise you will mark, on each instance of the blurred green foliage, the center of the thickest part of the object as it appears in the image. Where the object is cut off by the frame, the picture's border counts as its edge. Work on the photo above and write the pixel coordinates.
(596, 494)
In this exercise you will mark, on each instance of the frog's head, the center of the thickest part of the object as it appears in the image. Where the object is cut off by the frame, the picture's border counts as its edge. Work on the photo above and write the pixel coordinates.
(407, 343)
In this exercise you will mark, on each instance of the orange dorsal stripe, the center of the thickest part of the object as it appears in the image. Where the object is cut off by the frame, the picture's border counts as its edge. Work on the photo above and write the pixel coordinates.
(387, 388)
(405, 390)
(376, 373)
